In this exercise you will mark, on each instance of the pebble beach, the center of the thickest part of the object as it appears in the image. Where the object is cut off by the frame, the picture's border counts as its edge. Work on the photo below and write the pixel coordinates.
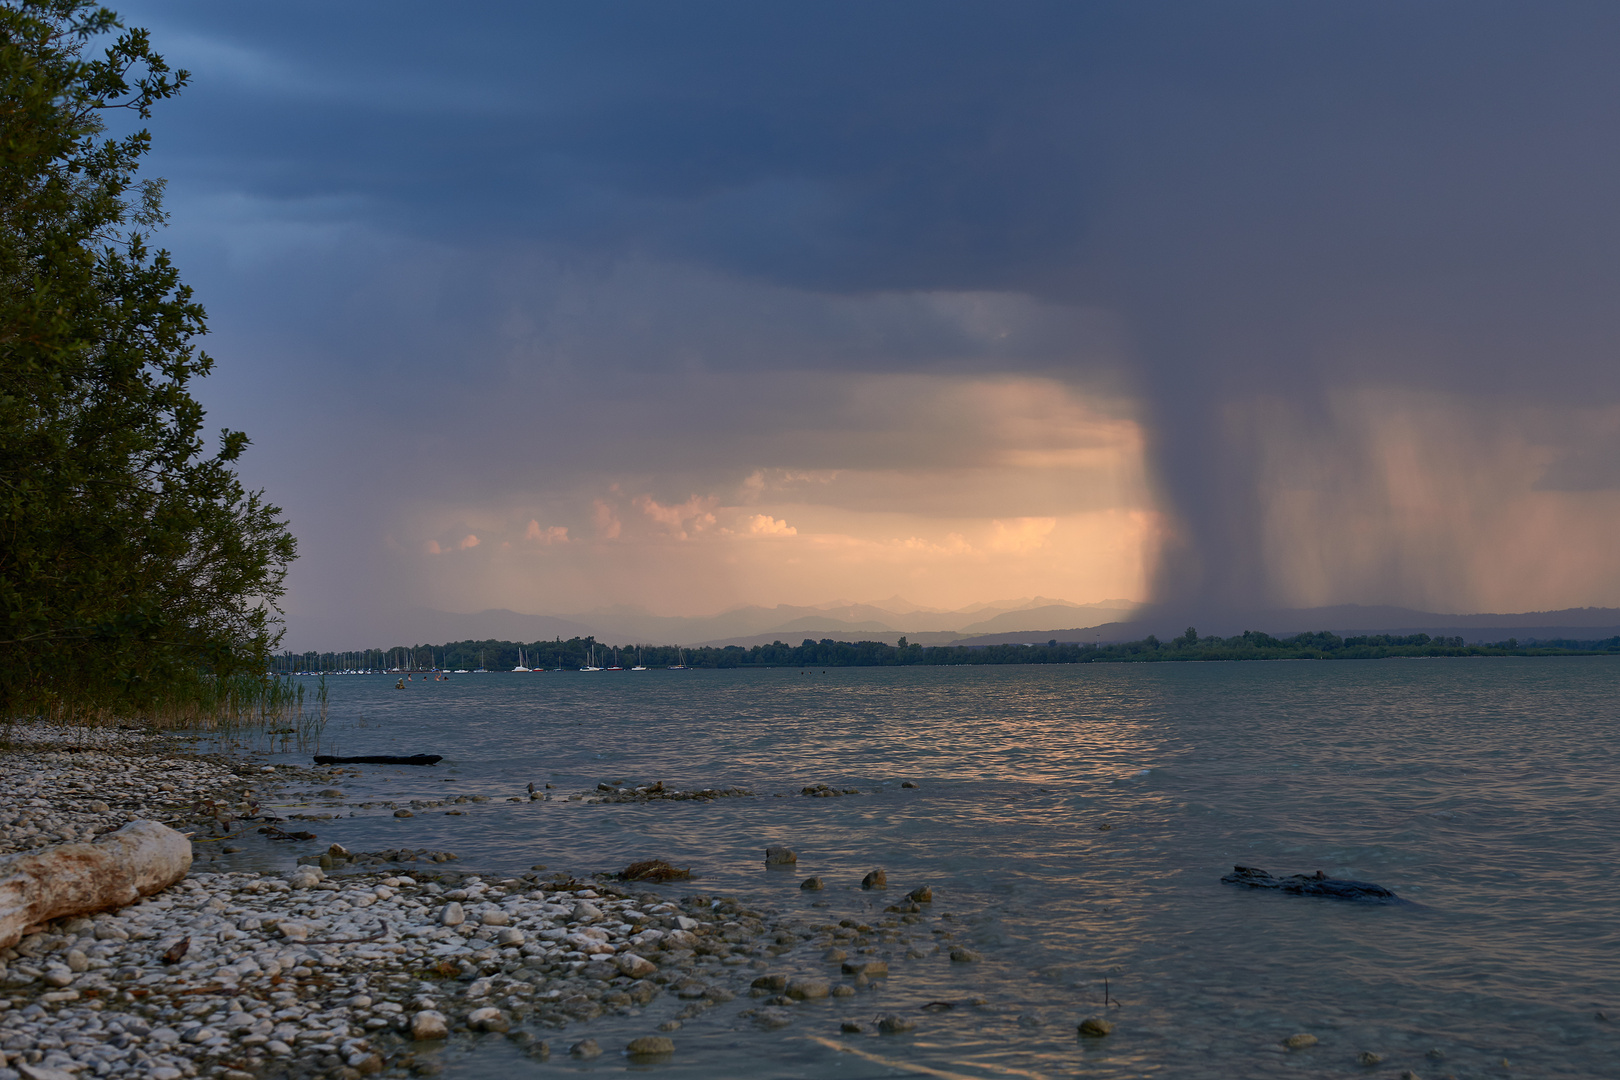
(351, 964)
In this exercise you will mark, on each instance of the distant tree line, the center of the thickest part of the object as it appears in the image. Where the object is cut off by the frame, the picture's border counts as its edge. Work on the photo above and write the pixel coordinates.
(1250, 645)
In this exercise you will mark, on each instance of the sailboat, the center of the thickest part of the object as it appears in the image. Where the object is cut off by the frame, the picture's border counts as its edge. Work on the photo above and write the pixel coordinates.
(639, 665)
(520, 666)
(681, 658)
(590, 664)
(615, 666)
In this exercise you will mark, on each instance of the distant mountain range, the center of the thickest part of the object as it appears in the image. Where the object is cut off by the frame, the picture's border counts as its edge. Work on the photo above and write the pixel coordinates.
(1026, 620)
(1582, 624)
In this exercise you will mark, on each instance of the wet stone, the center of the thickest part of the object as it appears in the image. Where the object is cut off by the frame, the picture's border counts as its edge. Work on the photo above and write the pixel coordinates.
(1095, 1027)
(650, 1046)
(488, 1019)
(690, 988)
(773, 1017)
(809, 988)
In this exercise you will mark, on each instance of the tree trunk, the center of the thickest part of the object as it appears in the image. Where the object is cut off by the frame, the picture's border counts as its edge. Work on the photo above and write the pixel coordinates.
(76, 879)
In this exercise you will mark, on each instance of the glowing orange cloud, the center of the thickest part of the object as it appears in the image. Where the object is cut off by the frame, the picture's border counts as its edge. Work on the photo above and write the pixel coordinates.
(765, 525)
(682, 519)
(963, 490)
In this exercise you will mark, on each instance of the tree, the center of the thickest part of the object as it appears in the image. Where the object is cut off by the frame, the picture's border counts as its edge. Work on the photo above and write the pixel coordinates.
(134, 566)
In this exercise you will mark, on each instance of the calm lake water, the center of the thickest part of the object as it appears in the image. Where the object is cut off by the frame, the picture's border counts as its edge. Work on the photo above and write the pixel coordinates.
(1076, 823)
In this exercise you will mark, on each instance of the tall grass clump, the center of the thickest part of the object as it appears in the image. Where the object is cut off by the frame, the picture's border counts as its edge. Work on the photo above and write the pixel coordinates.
(232, 705)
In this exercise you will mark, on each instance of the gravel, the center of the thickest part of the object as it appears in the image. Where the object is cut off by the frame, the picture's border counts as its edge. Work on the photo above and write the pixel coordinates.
(302, 974)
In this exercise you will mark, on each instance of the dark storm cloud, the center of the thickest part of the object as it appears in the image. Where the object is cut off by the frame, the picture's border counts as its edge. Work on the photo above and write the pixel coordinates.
(1271, 198)
(935, 146)
(846, 147)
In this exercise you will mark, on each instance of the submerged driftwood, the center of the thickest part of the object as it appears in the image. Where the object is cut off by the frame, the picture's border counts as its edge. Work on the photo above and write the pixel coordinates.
(76, 879)
(379, 759)
(1317, 884)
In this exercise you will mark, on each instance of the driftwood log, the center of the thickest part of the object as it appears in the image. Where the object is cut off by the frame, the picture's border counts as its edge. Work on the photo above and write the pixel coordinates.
(379, 759)
(77, 879)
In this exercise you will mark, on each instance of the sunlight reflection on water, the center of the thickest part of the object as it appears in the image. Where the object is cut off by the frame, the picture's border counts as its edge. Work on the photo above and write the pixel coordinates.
(1076, 822)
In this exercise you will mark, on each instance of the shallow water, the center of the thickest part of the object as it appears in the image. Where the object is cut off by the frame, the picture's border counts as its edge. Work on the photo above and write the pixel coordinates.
(1482, 789)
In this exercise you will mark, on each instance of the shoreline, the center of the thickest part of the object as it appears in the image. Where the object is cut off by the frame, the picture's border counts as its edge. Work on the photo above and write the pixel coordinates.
(294, 973)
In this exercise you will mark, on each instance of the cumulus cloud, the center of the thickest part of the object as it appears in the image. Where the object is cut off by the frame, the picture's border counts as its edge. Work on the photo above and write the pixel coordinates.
(682, 520)
(554, 534)
(765, 525)
(608, 525)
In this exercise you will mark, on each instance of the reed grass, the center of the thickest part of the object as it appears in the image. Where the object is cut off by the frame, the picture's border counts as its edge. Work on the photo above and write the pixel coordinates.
(237, 706)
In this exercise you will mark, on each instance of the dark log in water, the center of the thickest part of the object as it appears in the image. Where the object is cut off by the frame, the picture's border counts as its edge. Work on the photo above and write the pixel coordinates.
(379, 759)
(1317, 884)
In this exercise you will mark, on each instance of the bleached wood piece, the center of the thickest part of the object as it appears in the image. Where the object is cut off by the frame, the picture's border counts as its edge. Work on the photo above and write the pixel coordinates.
(118, 868)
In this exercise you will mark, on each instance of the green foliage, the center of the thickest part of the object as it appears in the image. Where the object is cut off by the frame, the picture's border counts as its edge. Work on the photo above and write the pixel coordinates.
(136, 573)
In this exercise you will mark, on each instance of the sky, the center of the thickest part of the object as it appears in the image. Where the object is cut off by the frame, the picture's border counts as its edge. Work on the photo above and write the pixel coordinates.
(554, 307)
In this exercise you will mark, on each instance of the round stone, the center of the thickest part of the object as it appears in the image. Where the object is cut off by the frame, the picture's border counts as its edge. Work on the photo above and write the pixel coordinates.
(650, 1046)
(429, 1024)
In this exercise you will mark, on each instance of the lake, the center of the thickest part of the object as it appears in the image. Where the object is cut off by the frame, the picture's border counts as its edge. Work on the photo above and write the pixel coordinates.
(1074, 822)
